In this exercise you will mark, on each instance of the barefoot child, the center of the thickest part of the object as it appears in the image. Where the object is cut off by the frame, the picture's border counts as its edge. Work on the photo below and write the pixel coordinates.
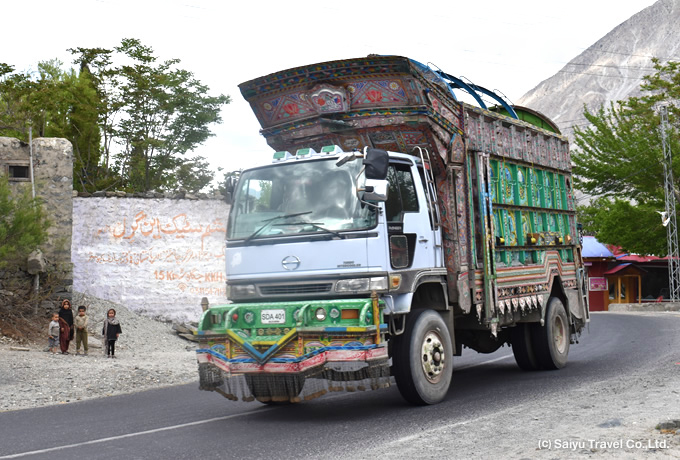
(53, 333)
(111, 331)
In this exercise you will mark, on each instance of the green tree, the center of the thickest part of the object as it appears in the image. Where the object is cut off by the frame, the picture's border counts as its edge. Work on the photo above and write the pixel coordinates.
(14, 119)
(55, 103)
(132, 122)
(619, 160)
(23, 224)
(155, 113)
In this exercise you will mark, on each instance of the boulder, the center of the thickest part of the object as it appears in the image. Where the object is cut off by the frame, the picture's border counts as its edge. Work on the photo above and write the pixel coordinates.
(36, 262)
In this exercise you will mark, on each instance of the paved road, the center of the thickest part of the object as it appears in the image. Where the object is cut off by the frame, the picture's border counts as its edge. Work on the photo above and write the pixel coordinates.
(182, 422)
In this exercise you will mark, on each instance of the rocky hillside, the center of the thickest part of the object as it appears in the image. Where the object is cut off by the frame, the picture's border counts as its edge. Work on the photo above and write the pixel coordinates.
(611, 69)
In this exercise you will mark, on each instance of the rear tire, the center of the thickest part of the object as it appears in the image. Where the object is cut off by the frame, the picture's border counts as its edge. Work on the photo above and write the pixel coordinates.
(522, 347)
(422, 358)
(551, 341)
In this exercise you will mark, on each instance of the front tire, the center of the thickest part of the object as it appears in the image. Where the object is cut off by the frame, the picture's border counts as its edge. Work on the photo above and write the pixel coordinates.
(422, 358)
(551, 341)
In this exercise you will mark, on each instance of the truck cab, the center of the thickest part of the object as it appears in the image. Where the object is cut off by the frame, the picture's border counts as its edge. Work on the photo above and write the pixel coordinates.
(387, 243)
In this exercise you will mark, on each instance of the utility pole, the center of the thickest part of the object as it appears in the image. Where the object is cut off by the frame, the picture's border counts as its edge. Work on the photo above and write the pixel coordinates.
(672, 227)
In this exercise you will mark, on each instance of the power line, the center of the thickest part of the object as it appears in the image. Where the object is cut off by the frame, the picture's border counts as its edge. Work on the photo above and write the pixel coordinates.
(599, 75)
(649, 56)
(612, 66)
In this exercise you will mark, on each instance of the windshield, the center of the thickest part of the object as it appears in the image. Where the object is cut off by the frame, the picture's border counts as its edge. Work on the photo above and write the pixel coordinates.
(299, 197)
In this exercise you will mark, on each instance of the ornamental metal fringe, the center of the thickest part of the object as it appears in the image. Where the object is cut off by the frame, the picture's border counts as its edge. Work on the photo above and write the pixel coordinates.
(295, 388)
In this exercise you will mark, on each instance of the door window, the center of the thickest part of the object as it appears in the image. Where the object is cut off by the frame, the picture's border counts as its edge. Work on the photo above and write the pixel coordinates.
(401, 197)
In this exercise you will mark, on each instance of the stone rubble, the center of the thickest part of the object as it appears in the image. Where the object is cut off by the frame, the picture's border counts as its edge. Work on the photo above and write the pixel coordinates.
(149, 354)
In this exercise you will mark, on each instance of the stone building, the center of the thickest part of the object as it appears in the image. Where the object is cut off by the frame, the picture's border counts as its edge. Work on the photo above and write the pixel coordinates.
(51, 164)
(157, 254)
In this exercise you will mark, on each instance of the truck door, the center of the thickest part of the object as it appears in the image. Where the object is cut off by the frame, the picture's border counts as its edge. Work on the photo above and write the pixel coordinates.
(408, 221)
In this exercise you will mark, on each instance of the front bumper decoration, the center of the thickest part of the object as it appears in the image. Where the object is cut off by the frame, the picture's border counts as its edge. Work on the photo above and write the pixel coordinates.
(302, 356)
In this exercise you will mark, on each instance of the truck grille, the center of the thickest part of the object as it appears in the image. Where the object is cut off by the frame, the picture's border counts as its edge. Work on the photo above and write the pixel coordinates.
(296, 289)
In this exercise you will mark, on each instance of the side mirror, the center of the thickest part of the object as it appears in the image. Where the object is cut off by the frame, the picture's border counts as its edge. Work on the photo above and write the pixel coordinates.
(376, 162)
(229, 186)
(375, 190)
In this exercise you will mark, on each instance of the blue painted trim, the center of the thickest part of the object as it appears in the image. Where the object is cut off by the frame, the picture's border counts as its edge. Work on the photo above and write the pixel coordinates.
(474, 89)
(287, 360)
(453, 82)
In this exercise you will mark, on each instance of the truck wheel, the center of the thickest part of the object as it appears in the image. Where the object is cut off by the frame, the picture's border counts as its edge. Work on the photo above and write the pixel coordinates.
(551, 341)
(522, 347)
(421, 362)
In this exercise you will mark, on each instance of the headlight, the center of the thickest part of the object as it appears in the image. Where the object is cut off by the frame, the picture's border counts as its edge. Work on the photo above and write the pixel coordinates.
(320, 314)
(362, 284)
(240, 290)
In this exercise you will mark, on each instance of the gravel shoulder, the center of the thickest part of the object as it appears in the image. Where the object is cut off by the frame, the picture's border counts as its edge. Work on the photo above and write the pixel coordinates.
(149, 355)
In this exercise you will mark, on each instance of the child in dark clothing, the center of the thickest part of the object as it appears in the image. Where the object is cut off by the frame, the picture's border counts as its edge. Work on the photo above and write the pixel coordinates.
(111, 331)
(66, 324)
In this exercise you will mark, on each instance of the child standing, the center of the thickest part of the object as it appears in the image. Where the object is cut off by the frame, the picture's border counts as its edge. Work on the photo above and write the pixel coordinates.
(53, 333)
(111, 331)
(80, 323)
(66, 321)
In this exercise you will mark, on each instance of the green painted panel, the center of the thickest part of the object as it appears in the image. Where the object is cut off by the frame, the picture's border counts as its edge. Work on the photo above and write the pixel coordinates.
(563, 192)
(507, 183)
(510, 227)
(537, 193)
(498, 224)
(493, 171)
(548, 190)
(522, 189)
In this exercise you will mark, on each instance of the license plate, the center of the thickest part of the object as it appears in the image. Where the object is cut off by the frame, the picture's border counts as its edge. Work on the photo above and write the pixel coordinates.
(273, 316)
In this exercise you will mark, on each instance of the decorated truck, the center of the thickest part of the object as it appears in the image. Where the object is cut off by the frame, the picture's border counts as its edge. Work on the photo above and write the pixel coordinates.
(395, 226)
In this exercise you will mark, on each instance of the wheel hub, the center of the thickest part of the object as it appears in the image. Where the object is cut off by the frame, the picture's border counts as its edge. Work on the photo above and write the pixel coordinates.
(433, 356)
(560, 334)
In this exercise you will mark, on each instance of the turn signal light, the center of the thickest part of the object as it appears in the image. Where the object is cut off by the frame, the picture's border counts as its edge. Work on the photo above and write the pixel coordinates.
(350, 313)
(395, 281)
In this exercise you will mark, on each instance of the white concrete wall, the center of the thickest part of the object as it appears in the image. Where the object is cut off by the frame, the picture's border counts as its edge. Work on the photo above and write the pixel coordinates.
(158, 257)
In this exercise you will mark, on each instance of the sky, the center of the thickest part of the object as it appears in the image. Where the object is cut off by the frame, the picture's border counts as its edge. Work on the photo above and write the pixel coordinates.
(506, 46)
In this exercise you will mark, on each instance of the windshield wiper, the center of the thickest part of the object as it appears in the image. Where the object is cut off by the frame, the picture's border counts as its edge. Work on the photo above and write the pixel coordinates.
(316, 225)
(268, 223)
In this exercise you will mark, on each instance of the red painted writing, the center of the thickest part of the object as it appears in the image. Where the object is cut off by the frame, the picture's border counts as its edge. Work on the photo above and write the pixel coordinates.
(192, 275)
(209, 291)
(146, 226)
(152, 255)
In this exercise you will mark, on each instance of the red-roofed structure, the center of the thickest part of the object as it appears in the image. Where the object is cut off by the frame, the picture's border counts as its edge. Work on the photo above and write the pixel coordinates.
(619, 277)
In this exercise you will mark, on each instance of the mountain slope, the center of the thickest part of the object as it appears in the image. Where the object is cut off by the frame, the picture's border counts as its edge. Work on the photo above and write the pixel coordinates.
(611, 69)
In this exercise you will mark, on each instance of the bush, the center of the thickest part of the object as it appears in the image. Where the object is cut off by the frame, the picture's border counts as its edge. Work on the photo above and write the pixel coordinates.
(23, 224)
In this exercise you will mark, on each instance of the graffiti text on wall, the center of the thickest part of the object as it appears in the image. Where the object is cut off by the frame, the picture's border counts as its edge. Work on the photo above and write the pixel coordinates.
(153, 255)
(145, 226)
(192, 275)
